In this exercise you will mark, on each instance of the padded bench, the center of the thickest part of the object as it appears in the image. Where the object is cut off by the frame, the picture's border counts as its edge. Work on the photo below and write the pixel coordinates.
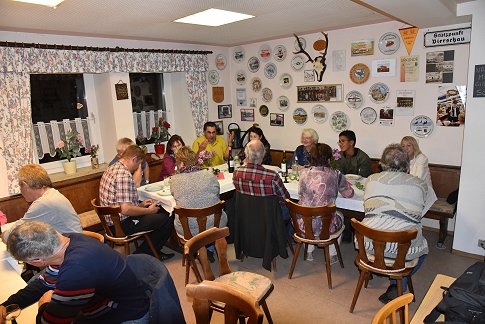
(90, 221)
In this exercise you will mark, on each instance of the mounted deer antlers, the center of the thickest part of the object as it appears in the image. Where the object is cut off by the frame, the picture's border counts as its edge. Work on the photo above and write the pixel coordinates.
(319, 65)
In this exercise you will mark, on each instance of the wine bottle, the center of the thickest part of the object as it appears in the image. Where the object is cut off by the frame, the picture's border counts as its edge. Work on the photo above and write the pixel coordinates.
(283, 163)
(230, 161)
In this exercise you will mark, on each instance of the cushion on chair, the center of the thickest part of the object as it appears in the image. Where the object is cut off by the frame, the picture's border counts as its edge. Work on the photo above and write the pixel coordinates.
(389, 262)
(331, 237)
(442, 206)
(252, 283)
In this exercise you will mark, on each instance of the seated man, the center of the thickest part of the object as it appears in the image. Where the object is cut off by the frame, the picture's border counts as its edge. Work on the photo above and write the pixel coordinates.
(395, 200)
(117, 187)
(84, 280)
(141, 175)
(214, 144)
(353, 160)
(47, 204)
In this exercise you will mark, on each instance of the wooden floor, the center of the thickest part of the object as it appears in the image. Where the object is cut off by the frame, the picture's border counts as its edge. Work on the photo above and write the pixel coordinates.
(306, 298)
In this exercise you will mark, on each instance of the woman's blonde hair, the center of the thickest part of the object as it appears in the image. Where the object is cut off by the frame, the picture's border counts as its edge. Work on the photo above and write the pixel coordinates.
(186, 155)
(414, 143)
(312, 133)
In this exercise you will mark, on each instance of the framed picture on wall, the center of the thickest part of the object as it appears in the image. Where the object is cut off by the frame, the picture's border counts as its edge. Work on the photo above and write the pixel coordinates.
(277, 119)
(247, 114)
(224, 111)
(320, 93)
(219, 127)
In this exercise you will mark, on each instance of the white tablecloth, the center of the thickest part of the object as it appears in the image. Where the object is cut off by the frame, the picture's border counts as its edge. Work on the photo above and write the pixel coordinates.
(355, 203)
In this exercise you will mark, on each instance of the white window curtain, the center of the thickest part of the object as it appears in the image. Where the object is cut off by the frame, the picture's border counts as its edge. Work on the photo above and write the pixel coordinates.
(144, 122)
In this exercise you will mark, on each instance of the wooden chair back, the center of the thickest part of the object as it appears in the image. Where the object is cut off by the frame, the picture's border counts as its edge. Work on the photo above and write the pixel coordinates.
(307, 213)
(201, 215)
(114, 213)
(195, 247)
(379, 240)
(389, 311)
(236, 302)
(95, 235)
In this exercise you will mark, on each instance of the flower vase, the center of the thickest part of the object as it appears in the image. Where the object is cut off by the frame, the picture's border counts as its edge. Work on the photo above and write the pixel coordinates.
(94, 163)
(159, 148)
(70, 167)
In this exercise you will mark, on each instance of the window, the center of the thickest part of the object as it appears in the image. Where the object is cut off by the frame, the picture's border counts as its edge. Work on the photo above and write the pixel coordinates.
(58, 104)
(148, 103)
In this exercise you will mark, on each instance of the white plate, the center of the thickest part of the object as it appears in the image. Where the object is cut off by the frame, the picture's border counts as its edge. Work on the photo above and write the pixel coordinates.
(270, 70)
(354, 99)
(256, 84)
(353, 177)
(221, 62)
(153, 188)
(339, 121)
(422, 126)
(302, 43)
(267, 94)
(300, 116)
(164, 192)
(265, 52)
(283, 103)
(253, 64)
(213, 77)
(279, 53)
(368, 115)
(241, 77)
(389, 43)
(320, 114)
(379, 92)
(297, 62)
(286, 81)
(238, 54)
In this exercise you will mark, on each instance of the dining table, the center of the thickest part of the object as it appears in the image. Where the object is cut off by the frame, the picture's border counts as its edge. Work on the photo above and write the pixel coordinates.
(160, 191)
(12, 282)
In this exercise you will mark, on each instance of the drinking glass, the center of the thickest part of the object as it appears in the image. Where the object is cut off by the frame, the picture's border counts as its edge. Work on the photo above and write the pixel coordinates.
(12, 312)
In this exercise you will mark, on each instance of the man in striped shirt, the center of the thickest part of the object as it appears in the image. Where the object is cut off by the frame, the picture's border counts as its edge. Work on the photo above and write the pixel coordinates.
(83, 280)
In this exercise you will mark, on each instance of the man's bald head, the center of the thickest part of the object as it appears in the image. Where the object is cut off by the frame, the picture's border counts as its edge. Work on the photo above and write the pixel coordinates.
(255, 152)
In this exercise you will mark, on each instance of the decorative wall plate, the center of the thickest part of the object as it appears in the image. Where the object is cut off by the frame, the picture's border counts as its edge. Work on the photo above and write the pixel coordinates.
(253, 64)
(422, 126)
(265, 52)
(300, 116)
(389, 43)
(256, 84)
(320, 114)
(379, 92)
(354, 99)
(359, 73)
(297, 62)
(270, 70)
(368, 115)
(213, 77)
(283, 103)
(267, 94)
(221, 62)
(263, 110)
(286, 81)
(241, 77)
(279, 53)
(302, 43)
(238, 54)
(339, 121)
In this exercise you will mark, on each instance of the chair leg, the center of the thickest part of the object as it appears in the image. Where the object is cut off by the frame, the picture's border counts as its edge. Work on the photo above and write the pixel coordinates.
(295, 258)
(410, 286)
(274, 263)
(127, 248)
(326, 251)
(367, 277)
(187, 273)
(266, 312)
(337, 247)
(290, 245)
(357, 290)
(150, 244)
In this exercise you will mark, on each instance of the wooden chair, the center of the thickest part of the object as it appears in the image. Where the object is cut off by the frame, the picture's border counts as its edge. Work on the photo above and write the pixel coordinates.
(236, 302)
(95, 235)
(392, 268)
(200, 214)
(258, 286)
(306, 236)
(119, 237)
(390, 309)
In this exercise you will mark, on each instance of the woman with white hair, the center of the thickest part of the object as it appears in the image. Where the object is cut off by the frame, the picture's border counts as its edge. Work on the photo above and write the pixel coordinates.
(309, 138)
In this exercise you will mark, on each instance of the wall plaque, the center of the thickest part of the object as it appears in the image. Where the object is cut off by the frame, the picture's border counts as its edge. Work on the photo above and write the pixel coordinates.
(218, 94)
(121, 89)
(448, 37)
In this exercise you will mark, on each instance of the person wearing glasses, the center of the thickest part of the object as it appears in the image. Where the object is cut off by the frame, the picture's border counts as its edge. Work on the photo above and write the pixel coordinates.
(353, 160)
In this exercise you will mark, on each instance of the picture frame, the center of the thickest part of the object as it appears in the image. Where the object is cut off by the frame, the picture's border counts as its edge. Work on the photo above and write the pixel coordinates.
(276, 119)
(320, 93)
(219, 127)
(362, 47)
(224, 111)
(309, 76)
(384, 68)
(247, 114)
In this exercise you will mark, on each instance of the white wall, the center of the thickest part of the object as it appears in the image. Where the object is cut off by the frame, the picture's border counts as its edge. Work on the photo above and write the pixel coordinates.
(471, 203)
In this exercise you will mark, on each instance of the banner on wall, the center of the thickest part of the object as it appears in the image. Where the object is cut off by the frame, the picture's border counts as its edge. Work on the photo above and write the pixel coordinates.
(408, 36)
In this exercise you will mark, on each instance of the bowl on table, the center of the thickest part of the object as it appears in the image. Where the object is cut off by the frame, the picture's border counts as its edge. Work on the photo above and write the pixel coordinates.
(153, 188)
(353, 178)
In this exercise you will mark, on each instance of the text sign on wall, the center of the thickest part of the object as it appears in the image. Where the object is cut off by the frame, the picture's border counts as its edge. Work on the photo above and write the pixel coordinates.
(479, 81)
(448, 37)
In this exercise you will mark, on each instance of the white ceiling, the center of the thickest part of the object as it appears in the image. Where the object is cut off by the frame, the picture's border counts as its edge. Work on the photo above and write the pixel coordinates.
(153, 19)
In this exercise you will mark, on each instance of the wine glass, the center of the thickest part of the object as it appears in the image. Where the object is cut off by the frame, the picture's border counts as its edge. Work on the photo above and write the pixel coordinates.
(12, 312)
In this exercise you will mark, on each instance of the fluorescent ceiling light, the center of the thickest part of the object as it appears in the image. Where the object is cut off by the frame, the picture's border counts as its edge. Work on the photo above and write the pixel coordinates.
(213, 17)
(49, 3)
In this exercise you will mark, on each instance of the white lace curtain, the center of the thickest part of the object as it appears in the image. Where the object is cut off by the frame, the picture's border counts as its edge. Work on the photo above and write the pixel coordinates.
(144, 122)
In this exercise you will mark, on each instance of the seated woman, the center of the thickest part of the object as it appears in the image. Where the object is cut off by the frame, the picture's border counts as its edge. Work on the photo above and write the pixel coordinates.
(319, 186)
(257, 133)
(168, 162)
(309, 138)
(418, 166)
(193, 187)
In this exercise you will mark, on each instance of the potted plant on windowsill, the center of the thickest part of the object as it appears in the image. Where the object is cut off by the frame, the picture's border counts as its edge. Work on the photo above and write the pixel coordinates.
(93, 152)
(69, 149)
(160, 134)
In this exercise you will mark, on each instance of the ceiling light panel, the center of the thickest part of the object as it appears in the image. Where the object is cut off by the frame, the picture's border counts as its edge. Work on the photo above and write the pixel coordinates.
(214, 17)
